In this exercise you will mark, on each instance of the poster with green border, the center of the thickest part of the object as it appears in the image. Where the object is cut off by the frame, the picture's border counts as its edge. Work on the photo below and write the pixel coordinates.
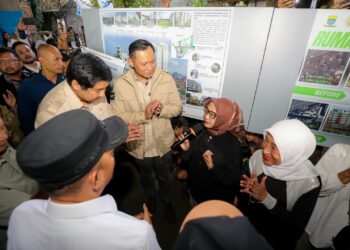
(321, 95)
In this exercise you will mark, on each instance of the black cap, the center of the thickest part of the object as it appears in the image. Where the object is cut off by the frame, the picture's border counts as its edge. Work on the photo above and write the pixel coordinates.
(68, 146)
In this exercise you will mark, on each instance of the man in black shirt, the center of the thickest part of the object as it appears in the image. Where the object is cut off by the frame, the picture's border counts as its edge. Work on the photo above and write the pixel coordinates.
(11, 69)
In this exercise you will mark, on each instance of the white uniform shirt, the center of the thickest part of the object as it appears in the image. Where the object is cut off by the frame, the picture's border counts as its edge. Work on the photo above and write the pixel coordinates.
(94, 224)
(331, 211)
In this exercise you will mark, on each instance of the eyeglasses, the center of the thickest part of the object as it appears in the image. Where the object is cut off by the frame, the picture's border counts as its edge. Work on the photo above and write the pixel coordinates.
(211, 114)
(8, 61)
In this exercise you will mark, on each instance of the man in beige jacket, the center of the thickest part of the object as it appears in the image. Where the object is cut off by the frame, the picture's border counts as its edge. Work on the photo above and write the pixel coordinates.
(85, 86)
(148, 96)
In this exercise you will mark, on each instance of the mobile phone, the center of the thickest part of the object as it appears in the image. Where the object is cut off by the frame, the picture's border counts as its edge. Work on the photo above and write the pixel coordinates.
(29, 21)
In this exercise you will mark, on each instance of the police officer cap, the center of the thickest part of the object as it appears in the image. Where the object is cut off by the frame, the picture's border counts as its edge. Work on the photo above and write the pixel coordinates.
(68, 146)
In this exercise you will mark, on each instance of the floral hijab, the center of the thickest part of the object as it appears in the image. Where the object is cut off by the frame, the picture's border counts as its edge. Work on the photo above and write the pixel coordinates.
(229, 118)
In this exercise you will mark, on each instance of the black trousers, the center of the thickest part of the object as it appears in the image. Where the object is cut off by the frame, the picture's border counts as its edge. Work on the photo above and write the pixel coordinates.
(152, 169)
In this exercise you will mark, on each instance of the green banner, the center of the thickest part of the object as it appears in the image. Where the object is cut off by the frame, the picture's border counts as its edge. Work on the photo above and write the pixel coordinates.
(320, 138)
(322, 93)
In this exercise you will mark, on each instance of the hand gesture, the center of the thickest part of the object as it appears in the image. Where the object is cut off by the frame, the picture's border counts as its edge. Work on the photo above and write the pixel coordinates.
(150, 108)
(246, 184)
(145, 215)
(158, 108)
(344, 176)
(186, 144)
(343, 4)
(21, 26)
(9, 99)
(208, 159)
(285, 4)
(134, 132)
(252, 187)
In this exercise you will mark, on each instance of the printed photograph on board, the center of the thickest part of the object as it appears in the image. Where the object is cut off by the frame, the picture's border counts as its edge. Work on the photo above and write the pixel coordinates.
(134, 18)
(194, 86)
(183, 19)
(345, 81)
(311, 114)
(338, 121)
(165, 19)
(348, 82)
(324, 67)
(108, 18)
(178, 70)
(121, 18)
(345, 78)
(195, 99)
(149, 18)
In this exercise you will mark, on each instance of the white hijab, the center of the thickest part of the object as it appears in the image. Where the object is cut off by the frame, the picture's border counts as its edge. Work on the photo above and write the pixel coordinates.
(334, 161)
(295, 143)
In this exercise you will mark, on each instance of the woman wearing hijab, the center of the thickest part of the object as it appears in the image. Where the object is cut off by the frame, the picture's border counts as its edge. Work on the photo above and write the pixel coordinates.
(284, 185)
(214, 158)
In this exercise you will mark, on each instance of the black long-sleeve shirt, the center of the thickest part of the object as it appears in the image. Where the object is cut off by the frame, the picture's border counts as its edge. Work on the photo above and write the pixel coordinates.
(282, 227)
(222, 181)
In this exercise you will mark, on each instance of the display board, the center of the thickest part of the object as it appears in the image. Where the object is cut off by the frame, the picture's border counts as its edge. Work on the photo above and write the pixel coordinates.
(321, 95)
(265, 53)
(117, 66)
(189, 44)
(302, 79)
(195, 45)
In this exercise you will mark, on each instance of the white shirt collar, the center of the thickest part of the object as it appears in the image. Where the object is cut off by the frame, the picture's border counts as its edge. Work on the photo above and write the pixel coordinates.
(37, 69)
(103, 204)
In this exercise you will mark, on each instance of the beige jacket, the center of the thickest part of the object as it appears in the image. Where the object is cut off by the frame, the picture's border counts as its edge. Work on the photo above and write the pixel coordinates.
(62, 99)
(128, 107)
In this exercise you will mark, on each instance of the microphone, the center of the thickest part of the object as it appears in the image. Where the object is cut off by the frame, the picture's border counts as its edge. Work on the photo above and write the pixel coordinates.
(193, 132)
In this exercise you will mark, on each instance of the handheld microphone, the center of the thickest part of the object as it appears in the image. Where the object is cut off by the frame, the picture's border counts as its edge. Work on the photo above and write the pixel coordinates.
(193, 132)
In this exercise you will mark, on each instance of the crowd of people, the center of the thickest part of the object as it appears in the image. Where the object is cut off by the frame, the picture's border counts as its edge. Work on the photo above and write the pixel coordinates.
(59, 133)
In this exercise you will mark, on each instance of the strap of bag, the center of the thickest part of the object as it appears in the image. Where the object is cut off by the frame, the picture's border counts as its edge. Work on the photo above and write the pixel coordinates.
(349, 211)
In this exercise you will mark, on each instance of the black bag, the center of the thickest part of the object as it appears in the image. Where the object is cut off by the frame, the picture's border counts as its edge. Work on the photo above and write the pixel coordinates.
(342, 240)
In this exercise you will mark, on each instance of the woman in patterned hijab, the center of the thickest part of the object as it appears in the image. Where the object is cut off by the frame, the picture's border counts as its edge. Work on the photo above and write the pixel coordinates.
(229, 118)
(214, 158)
